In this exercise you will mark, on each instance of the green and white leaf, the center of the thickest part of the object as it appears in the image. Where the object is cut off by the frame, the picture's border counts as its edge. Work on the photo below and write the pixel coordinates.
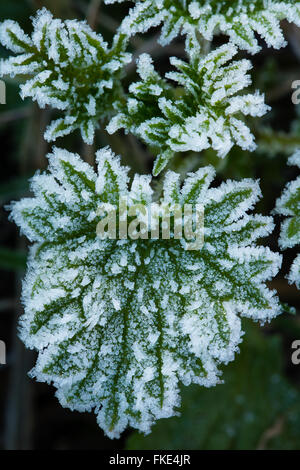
(119, 324)
(234, 415)
(240, 20)
(205, 110)
(72, 70)
(289, 205)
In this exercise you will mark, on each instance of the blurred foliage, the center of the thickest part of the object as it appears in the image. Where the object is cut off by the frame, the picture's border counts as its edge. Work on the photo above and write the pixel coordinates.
(12, 260)
(255, 408)
(13, 189)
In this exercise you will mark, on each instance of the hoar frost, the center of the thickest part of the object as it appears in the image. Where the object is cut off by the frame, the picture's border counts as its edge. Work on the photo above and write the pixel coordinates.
(118, 324)
(73, 70)
(205, 110)
(289, 205)
(238, 19)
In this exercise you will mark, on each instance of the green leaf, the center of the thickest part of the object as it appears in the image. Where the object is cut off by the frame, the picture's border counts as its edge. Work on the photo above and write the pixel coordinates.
(239, 414)
(239, 20)
(73, 70)
(120, 323)
(205, 112)
(162, 161)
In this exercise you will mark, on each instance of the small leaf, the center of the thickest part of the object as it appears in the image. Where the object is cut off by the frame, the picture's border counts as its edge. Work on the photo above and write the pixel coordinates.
(161, 162)
(73, 71)
(208, 113)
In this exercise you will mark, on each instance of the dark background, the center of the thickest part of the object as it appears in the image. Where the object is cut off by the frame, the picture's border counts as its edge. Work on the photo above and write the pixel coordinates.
(259, 406)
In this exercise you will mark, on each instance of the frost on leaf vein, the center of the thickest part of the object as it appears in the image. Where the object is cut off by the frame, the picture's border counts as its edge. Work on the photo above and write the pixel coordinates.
(237, 19)
(119, 324)
(204, 110)
(72, 70)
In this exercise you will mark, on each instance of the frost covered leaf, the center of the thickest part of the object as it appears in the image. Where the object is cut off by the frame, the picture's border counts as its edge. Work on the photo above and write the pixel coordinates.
(238, 19)
(120, 323)
(72, 70)
(289, 205)
(234, 415)
(204, 111)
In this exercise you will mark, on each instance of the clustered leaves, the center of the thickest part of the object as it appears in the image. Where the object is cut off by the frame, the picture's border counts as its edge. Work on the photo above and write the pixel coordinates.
(120, 323)
(73, 70)
(289, 205)
(205, 110)
(238, 19)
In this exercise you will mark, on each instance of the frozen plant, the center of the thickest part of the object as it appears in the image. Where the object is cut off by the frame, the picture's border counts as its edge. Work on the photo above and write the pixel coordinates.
(73, 70)
(238, 19)
(118, 324)
(206, 111)
(289, 205)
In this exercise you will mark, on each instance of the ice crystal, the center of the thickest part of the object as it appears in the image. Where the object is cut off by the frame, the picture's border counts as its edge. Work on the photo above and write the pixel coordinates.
(238, 19)
(204, 111)
(73, 70)
(221, 418)
(289, 205)
(118, 324)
